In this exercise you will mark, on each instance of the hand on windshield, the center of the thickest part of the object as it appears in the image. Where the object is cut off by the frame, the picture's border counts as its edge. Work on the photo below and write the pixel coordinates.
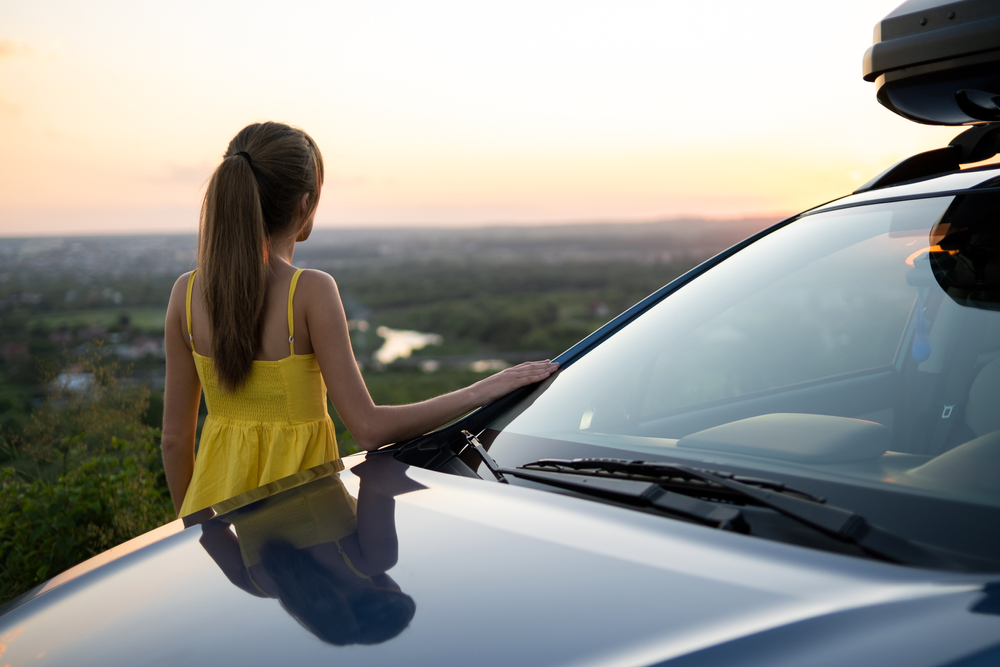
(512, 378)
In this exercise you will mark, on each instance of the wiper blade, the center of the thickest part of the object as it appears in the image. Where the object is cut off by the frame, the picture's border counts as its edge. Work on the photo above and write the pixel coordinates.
(664, 472)
(642, 494)
(836, 522)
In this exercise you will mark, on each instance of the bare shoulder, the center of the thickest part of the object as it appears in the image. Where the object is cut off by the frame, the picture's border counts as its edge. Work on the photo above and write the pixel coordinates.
(316, 285)
(178, 293)
(319, 300)
(182, 281)
(176, 316)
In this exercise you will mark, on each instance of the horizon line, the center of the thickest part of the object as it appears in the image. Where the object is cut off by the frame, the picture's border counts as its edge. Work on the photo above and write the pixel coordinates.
(775, 217)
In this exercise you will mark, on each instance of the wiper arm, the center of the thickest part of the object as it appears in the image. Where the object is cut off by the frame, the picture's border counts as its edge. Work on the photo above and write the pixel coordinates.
(478, 448)
(836, 522)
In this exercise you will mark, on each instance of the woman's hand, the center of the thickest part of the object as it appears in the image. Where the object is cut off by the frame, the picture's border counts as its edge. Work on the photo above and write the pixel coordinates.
(383, 475)
(509, 379)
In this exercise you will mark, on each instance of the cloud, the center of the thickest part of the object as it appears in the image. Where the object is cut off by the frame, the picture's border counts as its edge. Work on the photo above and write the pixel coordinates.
(10, 48)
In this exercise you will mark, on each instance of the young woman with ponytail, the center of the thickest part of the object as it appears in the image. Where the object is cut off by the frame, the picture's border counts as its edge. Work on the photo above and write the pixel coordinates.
(266, 341)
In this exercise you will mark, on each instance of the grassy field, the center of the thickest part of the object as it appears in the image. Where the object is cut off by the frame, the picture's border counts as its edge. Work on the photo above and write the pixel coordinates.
(146, 318)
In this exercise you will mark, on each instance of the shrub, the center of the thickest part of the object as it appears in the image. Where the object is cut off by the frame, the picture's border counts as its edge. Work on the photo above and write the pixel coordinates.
(81, 415)
(47, 527)
(84, 476)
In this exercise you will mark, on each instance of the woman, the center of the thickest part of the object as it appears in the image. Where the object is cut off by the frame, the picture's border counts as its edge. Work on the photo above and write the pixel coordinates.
(266, 341)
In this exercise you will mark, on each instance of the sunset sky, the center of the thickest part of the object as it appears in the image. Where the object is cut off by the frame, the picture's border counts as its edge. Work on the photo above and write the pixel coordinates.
(443, 112)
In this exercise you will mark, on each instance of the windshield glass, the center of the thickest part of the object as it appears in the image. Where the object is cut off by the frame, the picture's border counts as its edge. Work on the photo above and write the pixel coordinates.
(854, 354)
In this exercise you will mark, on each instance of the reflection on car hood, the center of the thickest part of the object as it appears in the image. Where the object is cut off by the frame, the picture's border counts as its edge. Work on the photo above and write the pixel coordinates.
(504, 575)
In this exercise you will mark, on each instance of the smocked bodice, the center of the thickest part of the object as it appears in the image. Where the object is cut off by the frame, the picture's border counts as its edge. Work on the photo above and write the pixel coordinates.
(289, 391)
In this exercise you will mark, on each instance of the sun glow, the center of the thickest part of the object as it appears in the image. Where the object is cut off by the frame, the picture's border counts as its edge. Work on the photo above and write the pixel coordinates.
(113, 114)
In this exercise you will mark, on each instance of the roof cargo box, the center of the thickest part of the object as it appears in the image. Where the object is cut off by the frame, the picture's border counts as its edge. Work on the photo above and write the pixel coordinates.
(938, 62)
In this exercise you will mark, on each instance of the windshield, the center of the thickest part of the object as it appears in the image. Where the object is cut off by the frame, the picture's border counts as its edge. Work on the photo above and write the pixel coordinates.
(854, 354)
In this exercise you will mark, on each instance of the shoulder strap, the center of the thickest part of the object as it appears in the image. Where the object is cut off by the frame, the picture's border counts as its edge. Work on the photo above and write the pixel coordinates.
(347, 560)
(291, 317)
(187, 307)
(256, 585)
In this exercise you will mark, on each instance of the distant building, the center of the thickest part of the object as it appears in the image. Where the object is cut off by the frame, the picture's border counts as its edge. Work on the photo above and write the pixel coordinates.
(13, 350)
(140, 347)
(91, 331)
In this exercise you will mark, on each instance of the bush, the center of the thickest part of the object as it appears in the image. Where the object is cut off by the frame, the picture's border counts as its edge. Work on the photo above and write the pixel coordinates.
(84, 476)
(82, 413)
(47, 527)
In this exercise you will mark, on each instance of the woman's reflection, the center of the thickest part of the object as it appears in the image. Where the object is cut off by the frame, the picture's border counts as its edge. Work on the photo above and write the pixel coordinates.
(322, 554)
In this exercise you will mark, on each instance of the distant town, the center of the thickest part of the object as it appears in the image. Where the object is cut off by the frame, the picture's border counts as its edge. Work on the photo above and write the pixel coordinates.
(449, 305)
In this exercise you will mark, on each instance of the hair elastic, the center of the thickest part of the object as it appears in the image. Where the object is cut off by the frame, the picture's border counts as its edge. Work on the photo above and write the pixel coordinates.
(247, 156)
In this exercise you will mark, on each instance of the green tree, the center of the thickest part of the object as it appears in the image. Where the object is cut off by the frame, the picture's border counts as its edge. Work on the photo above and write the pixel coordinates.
(84, 476)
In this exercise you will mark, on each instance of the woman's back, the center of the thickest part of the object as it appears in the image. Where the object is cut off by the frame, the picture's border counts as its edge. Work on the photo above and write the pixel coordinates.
(276, 423)
(274, 335)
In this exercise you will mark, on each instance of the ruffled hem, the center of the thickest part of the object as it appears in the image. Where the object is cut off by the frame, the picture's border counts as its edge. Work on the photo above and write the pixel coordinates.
(236, 457)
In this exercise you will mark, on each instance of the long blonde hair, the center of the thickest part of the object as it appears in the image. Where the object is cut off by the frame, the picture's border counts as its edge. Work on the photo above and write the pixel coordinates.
(253, 196)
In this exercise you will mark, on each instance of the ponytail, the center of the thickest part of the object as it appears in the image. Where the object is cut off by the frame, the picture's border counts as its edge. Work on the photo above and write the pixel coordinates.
(233, 263)
(252, 196)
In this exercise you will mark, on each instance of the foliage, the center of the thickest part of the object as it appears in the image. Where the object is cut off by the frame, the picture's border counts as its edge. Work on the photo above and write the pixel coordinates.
(425, 282)
(84, 475)
(103, 500)
(83, 413)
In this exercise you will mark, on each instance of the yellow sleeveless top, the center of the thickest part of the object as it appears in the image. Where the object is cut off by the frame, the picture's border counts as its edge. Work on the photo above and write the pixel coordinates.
(273, 426)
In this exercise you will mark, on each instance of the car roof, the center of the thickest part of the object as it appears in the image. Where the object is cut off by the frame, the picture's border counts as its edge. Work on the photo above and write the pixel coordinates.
(953, 182)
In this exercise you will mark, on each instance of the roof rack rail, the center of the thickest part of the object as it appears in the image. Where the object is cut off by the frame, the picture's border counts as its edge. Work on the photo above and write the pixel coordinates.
(978, 143)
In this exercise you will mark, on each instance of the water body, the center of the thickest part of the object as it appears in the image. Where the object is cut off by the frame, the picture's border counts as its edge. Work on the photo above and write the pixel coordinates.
(400, 343)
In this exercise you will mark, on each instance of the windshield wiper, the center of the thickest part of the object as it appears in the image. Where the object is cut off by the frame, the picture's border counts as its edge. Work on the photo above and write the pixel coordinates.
(478, 448)
(667, 472)
(629, 491)
(811, 511)
(643, 494)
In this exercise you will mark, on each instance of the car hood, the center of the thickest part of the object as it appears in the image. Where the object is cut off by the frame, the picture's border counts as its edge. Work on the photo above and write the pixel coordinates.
(504, 575)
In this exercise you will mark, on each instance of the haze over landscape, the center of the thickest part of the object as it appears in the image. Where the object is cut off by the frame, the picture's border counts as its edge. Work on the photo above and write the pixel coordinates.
(443, 113)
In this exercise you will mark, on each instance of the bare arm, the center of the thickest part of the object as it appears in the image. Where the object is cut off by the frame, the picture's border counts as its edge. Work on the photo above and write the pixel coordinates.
(374, 548)
(377, 541)
(180, 399)
(376, 425)
(220, 543)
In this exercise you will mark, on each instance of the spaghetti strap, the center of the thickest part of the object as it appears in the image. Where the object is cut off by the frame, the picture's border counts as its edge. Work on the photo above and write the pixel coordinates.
(291, 317)
(257, 586)
(343, 554)
(187, 308)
